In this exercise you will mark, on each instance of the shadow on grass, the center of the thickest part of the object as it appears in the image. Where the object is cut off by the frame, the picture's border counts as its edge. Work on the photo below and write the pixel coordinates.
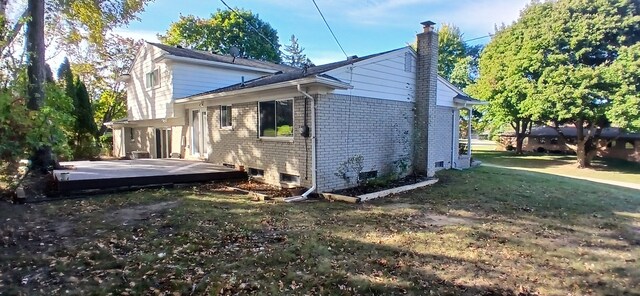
(545, 160)
(557, 236)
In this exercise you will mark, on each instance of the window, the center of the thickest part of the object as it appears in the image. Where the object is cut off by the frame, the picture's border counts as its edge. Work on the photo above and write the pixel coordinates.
(439, 164)
(286, 178)
(368, 175)
(409, 62)
(554, 141)
(253, 172)
(611, 144)
(152, 79)
(276, 118)
(225, 117)
(542, 140)
(629, 146)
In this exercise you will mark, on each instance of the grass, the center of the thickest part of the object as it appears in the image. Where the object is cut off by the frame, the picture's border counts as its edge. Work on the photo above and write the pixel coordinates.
(603, 169)
(480, 232)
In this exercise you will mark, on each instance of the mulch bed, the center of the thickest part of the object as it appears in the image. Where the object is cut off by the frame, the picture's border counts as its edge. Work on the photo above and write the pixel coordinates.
(376, 185)
(253, 186)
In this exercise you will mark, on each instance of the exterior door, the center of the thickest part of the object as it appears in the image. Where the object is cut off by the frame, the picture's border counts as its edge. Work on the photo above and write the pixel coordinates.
(163, 143)
(200, 145)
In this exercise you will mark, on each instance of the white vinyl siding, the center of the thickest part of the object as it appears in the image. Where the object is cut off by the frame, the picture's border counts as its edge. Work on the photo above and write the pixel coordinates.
(149, 102)
(445, 95)
(382, 77)
(191, 79)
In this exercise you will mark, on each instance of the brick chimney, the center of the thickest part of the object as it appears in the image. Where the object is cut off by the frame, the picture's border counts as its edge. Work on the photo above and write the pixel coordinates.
(426, 81)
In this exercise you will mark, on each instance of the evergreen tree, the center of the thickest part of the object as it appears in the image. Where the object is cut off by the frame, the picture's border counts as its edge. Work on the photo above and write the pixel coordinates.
(295, 56)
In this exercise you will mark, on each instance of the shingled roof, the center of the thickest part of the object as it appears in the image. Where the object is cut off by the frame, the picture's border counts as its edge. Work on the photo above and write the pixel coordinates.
(293, 74)
(209, 56)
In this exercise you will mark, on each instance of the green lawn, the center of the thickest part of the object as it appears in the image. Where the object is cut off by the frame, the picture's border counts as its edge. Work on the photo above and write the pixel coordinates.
(487, 231)
(604, 169)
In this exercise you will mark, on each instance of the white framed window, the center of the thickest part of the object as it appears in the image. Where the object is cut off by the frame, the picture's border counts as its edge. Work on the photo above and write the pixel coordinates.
(276, 119)
(152, 79)
(225, 117)
(409, 62)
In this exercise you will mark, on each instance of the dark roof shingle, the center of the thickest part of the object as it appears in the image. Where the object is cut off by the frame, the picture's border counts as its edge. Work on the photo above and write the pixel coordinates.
(208, 56)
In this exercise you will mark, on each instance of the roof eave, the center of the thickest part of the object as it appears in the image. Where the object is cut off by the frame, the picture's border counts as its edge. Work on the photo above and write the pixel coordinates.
(303, 81)
(214, 63)
(470, 102)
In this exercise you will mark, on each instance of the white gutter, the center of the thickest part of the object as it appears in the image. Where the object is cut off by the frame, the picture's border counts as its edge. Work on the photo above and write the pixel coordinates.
(297, 83)
(217, 64)
(314, 183)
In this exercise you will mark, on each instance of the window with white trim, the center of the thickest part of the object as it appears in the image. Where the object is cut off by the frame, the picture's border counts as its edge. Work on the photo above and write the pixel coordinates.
(225, 117)
(152, 79)
(276, 118)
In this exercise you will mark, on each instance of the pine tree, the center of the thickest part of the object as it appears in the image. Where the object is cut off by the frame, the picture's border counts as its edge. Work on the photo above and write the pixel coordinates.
(296, 57)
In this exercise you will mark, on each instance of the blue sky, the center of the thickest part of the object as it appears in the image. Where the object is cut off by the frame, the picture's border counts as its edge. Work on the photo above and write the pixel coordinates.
(362, 26)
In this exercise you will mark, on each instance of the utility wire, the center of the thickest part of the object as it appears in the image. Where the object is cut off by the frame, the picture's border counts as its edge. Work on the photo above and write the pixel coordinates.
(329, 27)
(478, 38)
(251, 25)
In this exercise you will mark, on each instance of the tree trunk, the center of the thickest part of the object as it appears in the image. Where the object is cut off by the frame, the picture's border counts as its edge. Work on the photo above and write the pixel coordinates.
(519, 143)
(35, 55)
(41, 158)
(581, 154)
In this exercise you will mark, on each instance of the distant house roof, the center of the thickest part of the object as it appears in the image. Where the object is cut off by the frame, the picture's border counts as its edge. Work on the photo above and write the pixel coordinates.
(568, 131)
(293, 74)
(209, 56)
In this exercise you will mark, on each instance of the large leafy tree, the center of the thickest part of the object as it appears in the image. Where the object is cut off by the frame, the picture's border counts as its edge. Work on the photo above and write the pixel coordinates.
(567, 62)
(71, 25)
(224, 30)
(508, 74)
(589, 52)
(451, 49)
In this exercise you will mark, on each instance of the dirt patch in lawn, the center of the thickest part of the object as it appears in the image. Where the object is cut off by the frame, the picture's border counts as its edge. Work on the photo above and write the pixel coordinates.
(441, 220)
(249, 185)
(142, 212)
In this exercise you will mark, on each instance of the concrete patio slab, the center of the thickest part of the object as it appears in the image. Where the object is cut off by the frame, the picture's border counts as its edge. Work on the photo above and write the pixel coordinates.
(84, 170)
(85, 175)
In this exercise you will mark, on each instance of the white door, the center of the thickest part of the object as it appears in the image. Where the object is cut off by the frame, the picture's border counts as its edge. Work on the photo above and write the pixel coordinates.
(199, 130)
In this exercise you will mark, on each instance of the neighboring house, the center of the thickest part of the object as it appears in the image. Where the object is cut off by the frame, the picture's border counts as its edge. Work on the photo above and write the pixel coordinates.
(612, 142)
(324, 127)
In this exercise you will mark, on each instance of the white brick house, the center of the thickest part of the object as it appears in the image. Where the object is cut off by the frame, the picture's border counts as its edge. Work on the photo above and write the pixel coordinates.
(322, 127)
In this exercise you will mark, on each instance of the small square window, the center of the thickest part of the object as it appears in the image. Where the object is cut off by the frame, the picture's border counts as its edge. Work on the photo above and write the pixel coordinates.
(225, 117)
(439, 164)
(256, 173)
(287, 178)
(152, 79)
(368, 175)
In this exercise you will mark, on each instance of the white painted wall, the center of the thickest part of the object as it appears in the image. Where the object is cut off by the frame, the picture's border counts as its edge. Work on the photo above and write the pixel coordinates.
(382, 77)
(445, 94)
(143, 103)
(191, 79)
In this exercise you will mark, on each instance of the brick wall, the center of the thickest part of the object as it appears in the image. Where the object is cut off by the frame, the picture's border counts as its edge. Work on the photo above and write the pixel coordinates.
(241, 145)
(379, 130)
(444, 129)
(426, 95)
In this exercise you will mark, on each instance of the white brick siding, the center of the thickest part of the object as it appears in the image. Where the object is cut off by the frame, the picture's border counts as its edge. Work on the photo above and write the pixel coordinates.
(379, 130)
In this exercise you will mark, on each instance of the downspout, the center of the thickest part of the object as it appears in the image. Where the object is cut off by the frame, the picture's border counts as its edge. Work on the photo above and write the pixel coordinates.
(454, 132)
(305, 195)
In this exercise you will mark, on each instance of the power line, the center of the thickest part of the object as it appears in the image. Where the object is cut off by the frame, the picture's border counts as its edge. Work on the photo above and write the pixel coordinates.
(326, 23)
(251, 25)
(478, 38)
